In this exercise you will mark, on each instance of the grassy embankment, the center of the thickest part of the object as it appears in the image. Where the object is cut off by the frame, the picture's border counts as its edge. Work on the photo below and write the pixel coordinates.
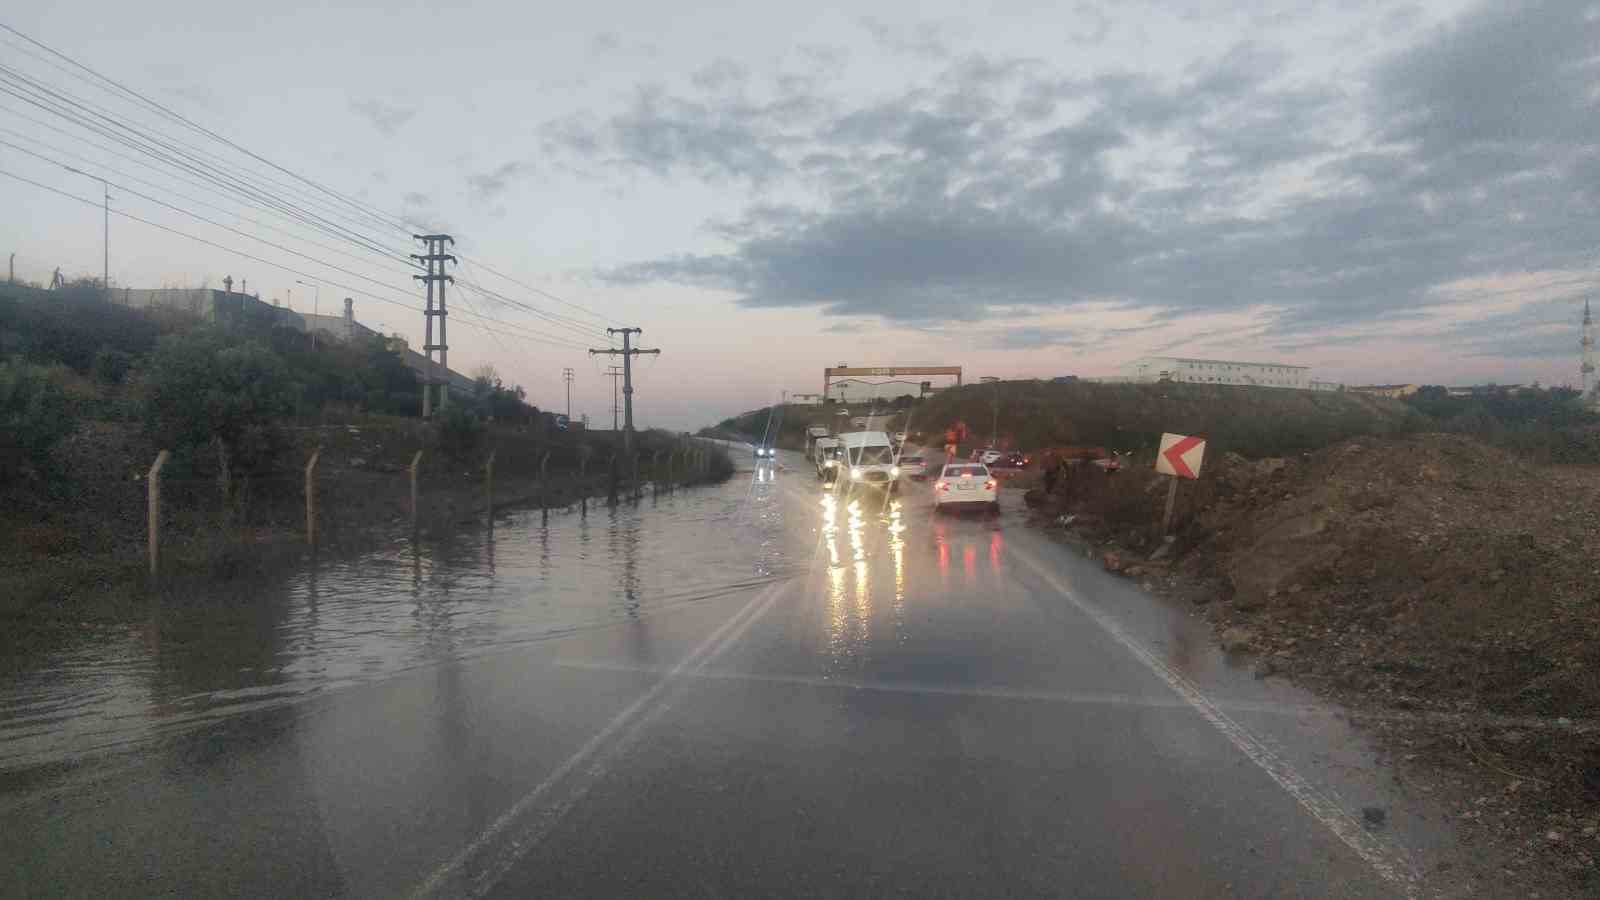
(90, 392)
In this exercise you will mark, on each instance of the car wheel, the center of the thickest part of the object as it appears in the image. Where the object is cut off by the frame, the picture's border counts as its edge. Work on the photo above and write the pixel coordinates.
(994, 508)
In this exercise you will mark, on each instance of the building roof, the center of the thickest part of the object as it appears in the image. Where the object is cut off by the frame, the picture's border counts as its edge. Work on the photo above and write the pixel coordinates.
(1228, 362)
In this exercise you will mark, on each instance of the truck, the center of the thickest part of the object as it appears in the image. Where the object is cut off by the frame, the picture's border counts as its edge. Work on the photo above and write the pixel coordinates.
(870, 459)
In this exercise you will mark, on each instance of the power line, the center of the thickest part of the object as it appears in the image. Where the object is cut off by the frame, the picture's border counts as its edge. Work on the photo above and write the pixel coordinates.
(213, 222)
(144, 181)
(582, 328)
(408, 305)
(543, 293)
(144, 163)
(395, 221)
(229, 178)
(60, 104)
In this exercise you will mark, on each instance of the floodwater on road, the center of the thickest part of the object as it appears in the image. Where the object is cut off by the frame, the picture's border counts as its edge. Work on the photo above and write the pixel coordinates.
(196, 659)
(718, 691)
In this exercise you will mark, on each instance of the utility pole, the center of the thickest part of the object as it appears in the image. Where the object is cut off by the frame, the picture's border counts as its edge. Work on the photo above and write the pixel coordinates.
(1586, 345)
(627, 353)
(567, 375)
(105, 246)
(435, 259)
(615, 373)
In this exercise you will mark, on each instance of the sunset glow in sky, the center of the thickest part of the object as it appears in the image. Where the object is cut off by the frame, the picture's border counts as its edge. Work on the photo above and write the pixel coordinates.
(1383, 191)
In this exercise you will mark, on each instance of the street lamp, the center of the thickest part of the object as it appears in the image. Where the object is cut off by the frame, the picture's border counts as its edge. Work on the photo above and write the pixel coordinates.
(105, 272)
(316, 307)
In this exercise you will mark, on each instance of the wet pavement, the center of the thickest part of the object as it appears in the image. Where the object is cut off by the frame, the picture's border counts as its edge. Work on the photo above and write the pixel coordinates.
(755, 689)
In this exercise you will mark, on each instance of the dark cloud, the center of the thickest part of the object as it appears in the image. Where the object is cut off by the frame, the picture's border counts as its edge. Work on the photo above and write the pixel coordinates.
(388, 118)
(665, 135)
(998, 184)
(923, 40)
(491, 184)
(610, 43)
(720, 75)
(1027, 338)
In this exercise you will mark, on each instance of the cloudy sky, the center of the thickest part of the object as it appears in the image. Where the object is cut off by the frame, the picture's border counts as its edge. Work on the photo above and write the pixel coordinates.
(1383, 191)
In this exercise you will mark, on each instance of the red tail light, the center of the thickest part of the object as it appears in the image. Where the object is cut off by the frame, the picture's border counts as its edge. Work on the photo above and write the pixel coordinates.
(943, 485)
(989, 485)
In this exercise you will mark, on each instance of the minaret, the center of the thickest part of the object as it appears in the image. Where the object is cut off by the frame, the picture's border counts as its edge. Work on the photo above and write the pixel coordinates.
(1587, 367)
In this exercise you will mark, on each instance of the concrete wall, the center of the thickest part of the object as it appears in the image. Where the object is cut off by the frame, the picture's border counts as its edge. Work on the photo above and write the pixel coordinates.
(216, 307)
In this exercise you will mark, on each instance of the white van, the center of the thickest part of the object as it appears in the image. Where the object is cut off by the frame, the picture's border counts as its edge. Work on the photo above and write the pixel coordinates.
(825, 454)
(870, 459)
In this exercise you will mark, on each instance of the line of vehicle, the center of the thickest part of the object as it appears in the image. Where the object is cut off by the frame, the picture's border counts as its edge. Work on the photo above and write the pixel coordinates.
(1389, 862)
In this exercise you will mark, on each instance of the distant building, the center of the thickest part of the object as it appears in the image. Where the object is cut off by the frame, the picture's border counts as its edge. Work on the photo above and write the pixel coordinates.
(1396, 391)
(229, 309)
(1147, 369)
(343, 328)
(1478, 390)
(222, 308)
(1326, 386)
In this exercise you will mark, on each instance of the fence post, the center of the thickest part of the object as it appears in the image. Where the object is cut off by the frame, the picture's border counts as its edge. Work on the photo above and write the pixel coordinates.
(636, 492)
(544, 489)
(655, 474)
(416, 461)
(583, 478)
(1172, 497)
(153, 483)
(311, 498)
(488, 488)
(611, 480)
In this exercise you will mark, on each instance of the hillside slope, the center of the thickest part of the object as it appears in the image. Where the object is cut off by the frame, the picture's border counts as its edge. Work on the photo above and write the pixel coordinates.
(1247, 420)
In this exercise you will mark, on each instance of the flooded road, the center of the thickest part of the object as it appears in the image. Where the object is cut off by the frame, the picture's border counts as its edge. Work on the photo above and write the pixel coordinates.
(343, 622)
(758, 688)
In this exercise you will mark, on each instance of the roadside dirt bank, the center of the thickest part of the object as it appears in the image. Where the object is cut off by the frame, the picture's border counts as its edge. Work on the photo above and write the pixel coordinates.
(1444, 591)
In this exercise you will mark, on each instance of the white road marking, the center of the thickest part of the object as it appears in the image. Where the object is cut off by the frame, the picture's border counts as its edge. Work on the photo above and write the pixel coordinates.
(595, 753)
(1390, 863)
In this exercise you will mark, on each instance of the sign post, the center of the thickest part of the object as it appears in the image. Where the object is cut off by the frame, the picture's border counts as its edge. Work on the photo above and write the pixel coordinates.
(1180, 457)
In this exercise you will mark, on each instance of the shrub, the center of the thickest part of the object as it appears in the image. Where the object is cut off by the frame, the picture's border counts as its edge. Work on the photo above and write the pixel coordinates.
(34, 417)
(203, 393)
(111, 366)
(460, 431)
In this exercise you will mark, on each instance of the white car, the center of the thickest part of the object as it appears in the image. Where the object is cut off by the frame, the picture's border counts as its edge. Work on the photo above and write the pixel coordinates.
(966, 485)
(913, 467)
(988, 456)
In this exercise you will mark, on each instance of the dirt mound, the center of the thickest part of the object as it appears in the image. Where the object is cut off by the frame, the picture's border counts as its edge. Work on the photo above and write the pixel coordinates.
(1454, 574)
(1448, 591)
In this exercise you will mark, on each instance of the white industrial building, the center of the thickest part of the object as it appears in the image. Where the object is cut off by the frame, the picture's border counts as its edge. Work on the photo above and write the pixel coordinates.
(1147, 369)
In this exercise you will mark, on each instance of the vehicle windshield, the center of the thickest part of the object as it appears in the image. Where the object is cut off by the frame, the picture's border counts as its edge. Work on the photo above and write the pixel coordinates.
(911, 461)
(968, 471)
(873, 456)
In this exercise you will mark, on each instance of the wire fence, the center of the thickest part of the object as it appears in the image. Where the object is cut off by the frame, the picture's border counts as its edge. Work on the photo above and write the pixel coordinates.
(324, 500)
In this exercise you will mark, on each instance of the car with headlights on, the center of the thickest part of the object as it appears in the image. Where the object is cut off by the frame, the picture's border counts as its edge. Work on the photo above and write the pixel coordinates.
(868, 459)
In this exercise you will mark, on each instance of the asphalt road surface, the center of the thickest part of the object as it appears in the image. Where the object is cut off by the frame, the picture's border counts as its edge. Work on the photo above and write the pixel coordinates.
(754, 690)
